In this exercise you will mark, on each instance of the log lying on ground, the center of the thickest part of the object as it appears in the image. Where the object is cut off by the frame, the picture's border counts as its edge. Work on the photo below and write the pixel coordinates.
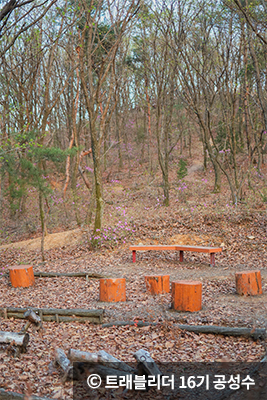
(6, 395)
(60, 318)
(82, 356)
(69, 274)
(57, 314)
(131, 323)
(101, 357)
(81, 274)
(31, 316)
(254, 333)
(17, 339)
(147, 363)
(62, 360)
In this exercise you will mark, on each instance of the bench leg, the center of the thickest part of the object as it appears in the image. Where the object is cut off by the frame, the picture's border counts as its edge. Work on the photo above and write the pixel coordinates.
(212, 259)
(134, 256)
(181, 256)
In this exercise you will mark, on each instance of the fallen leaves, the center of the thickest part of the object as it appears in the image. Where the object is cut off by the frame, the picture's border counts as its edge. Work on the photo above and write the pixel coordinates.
(221, 306)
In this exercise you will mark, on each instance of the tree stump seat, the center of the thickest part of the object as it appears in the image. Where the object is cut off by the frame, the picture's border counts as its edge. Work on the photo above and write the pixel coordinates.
(112, 290)
(248, 283)
(21, 275)
(187, 296)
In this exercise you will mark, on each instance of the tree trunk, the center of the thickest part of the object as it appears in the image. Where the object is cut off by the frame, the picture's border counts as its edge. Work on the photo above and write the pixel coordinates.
(98, 185)
(118, 135)
(74, 189)
(42, 219)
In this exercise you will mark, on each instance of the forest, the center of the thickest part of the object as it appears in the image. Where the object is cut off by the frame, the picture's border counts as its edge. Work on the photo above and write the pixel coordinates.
(130, 123)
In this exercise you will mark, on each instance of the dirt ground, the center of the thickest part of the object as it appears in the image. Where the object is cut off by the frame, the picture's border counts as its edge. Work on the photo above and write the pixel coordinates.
(221, 306)
(192, 218)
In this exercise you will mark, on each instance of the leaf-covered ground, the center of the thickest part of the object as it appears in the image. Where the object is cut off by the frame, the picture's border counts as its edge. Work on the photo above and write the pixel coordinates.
(134, 215)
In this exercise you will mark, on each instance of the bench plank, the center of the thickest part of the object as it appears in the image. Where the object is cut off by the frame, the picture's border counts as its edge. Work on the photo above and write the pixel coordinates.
(154, 247)
(199, 249)
(180, 248)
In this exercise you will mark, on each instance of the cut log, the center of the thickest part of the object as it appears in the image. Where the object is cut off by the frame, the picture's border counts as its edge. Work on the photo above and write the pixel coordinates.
(187, 295)
(81, 274)
(60, 318)
(16, 338)
(255, 333)
(68, 315)
(130, 323)
(31, 316)
(112, 290)
(62, 360)
(82, 356)
(60, 311)
(144, 358)
(21, 275)
(157, 284)
(101, 357)
(248, 283)
(68, 274)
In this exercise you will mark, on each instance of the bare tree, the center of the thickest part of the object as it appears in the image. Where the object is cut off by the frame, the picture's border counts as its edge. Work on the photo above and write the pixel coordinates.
(99, 45)
(18, 16)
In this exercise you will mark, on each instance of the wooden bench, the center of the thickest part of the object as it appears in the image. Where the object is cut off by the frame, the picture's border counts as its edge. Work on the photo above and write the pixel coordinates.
(180, 248)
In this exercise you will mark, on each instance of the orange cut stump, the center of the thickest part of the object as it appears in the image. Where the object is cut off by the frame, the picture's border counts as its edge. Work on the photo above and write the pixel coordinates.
(21, 275)
(112, 290)
(157, 284)
(186, 295)
(248, 283)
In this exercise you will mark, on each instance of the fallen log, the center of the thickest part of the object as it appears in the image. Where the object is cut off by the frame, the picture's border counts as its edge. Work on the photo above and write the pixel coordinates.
(146, 362)
(60, 318)
(18, 339)
(86, 362)
(31, 316)
(101, 357)
(68, 274)
(60, 311)
(58, 315)
(131, 323)
(62, 360)
(6, 395)
(81, 274)
(255, 333)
